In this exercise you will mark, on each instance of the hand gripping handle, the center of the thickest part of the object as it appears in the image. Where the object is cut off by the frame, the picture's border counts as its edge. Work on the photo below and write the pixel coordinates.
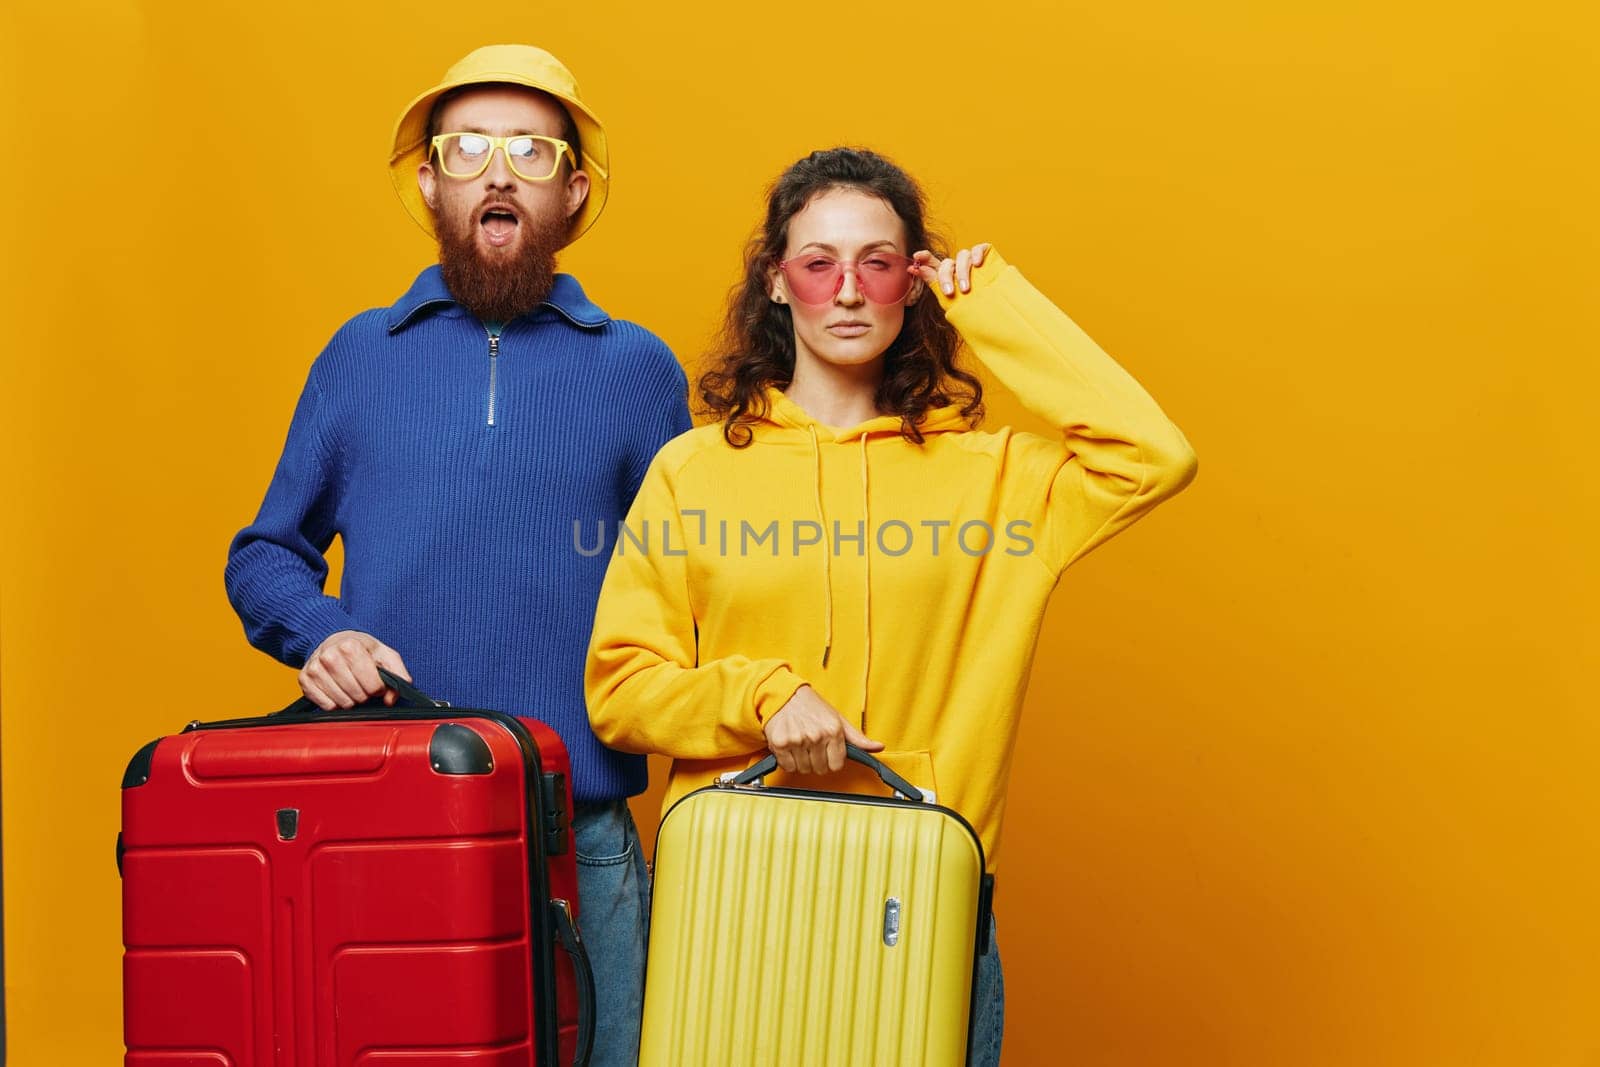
(409, 696)
(770, 763)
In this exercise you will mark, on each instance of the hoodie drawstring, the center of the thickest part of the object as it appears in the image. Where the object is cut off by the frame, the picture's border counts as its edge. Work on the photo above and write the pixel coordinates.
(827, 563)
(827, 568)
(866, 599)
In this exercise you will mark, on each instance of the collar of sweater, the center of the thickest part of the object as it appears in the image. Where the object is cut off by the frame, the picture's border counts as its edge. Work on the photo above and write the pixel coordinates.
(428, 295)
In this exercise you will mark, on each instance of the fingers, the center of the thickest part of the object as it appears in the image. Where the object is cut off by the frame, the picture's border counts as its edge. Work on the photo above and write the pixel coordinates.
(833, 751)
(780, 731)
(391, 661)
(804, 761)
(356, 670)
(950, 274)
(342, 670)
(333, 672)
(315, 693)
(793, 755)
(861, 740)
(808, 735)
(362, 668)
(335, 687)
(820, 749)
(799, 753)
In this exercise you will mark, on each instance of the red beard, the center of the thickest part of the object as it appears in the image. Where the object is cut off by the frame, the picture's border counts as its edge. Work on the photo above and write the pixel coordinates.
(499, 287)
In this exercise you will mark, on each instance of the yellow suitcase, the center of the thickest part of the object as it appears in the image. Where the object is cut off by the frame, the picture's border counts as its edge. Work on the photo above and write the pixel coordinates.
(793, 927)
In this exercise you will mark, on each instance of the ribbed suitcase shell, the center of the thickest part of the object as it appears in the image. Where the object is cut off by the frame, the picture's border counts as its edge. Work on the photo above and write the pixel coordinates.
(398, 917)
(767, 932)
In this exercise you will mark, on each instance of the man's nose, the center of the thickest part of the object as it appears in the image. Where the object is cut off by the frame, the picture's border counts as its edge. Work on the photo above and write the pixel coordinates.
(849, 293)
(499, 174)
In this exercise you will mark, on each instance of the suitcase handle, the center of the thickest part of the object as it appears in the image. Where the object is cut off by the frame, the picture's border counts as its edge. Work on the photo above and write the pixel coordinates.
(572, 942)
(407, 693)
(769, 763)
(407, 696)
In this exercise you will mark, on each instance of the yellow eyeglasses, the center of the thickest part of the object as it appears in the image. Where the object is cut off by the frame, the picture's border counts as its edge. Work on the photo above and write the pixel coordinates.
(532, 157)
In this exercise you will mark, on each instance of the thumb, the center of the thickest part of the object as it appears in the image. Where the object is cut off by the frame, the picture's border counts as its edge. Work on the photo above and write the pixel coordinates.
(861, 740)
(391, 661)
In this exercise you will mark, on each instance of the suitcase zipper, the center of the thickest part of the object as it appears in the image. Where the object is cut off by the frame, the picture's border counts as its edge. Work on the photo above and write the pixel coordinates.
(494, 359)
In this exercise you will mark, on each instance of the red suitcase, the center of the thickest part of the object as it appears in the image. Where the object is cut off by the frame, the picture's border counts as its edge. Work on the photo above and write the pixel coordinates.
(383, 887)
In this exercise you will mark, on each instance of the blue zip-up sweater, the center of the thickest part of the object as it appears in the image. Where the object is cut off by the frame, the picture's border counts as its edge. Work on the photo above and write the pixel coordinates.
(454, 470)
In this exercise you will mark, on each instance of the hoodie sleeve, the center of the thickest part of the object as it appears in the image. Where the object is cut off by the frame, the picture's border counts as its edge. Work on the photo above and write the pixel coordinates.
(1118, 455)
(646, 687)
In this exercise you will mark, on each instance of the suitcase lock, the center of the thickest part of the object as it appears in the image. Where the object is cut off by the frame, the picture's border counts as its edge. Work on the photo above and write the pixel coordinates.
(891, 921)
(288, 823)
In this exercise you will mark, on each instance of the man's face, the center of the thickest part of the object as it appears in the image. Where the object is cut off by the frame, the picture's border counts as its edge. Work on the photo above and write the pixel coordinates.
(478, 206)
(499, 232)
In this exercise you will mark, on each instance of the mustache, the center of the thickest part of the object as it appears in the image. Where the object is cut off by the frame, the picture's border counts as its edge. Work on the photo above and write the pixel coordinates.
(500, 203)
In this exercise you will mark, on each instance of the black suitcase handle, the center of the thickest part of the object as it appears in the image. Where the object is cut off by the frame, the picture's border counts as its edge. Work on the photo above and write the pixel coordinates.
(769, 763)
(407, 696)
(572, 942)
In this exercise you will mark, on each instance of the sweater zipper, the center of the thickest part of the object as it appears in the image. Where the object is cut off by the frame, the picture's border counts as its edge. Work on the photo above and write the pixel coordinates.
(494, 361)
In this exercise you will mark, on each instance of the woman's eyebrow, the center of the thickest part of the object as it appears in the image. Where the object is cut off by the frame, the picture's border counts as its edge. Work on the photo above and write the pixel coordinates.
(821, 247)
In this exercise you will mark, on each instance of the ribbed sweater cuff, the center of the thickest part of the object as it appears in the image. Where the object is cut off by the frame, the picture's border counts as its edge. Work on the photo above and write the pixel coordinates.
(312, 623)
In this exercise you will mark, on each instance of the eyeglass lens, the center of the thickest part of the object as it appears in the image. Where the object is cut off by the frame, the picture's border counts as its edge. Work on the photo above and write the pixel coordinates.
(466, 155)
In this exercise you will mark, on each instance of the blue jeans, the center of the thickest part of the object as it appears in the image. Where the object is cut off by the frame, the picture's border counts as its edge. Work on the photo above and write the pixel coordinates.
(989, 1007)
(614, 914)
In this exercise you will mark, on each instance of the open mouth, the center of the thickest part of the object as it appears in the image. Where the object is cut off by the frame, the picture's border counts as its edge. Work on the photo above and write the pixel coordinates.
(499, 225)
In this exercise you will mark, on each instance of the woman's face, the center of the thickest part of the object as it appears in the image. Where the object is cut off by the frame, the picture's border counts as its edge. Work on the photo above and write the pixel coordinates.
(850, 328)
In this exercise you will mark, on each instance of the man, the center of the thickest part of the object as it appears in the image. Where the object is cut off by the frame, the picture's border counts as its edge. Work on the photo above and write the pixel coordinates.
(453, 441)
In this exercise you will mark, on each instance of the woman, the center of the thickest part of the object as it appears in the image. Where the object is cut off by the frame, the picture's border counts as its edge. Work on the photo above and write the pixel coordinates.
(841, 557)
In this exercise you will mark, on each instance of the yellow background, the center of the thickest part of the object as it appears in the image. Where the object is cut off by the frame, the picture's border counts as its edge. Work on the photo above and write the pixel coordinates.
(1308, 770)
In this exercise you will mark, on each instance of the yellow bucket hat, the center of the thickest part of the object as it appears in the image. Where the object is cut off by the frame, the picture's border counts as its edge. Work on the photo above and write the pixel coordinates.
(515, 64)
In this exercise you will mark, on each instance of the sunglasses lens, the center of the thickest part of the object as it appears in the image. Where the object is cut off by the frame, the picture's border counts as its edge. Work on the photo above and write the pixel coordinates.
(813, 279)
(883, 278)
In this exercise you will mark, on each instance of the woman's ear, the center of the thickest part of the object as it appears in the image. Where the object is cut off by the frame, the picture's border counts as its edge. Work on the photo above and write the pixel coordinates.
(915, 292)
(777, 292)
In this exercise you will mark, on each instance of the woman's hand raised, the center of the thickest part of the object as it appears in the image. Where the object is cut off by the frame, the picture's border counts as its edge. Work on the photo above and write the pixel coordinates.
(949, 273)
(808, 735)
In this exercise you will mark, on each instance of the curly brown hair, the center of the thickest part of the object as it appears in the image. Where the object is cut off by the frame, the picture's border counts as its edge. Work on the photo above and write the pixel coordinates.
(755, 348)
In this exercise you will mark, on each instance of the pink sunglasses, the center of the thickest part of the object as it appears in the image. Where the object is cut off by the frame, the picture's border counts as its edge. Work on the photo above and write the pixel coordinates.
(882, 277)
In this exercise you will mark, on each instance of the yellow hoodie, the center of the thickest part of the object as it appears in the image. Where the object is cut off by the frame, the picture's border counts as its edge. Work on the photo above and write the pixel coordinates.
(905, 583)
